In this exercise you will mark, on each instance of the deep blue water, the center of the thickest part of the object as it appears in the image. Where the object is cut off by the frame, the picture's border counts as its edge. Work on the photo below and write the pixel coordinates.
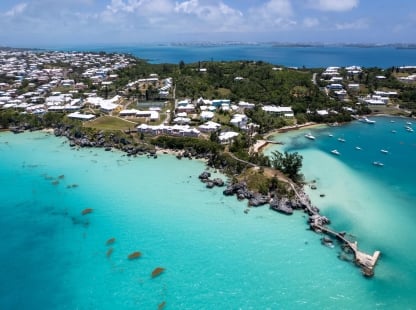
(310, 57)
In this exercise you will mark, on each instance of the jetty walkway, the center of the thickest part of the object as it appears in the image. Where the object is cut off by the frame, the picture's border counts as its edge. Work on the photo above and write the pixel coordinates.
(365, 261)
(317, 223)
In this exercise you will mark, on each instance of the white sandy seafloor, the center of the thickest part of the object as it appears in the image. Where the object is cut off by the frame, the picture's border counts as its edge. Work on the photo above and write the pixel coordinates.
(215, 255)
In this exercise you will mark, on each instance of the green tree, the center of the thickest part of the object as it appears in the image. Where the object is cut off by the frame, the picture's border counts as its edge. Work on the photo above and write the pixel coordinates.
(288, 163)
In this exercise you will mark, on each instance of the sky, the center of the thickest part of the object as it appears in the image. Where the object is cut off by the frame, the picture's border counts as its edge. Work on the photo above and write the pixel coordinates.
(45, 23)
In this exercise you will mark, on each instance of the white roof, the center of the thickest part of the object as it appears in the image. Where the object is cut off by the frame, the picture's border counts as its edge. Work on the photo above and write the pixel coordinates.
(129, 111)
(182, 114)
(272, 108)
(207, 114)
(224, 136)
(81, 116)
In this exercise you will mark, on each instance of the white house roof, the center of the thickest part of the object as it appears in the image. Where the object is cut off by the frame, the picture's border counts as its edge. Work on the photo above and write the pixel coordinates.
(207, 114)
(225, 136)
(78, 115)
(274, 109)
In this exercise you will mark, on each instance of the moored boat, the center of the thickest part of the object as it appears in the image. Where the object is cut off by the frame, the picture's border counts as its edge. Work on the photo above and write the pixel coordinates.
(366, 120)
(335, 152)
(309, 136)
(377, 163)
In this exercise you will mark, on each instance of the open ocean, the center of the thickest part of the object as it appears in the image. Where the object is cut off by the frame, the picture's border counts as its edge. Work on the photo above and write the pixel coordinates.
(215, 256)
(310, 57)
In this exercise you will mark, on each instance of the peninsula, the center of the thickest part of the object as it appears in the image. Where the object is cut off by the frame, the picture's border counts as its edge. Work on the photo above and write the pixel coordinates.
(212, 110)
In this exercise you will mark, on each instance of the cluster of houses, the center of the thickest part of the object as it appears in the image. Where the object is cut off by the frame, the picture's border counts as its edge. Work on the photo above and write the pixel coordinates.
(336, 84)
(47, 78)
(41, 73)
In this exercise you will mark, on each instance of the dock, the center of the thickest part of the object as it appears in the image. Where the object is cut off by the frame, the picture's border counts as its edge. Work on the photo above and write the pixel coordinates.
(365, 261)
(318, 223)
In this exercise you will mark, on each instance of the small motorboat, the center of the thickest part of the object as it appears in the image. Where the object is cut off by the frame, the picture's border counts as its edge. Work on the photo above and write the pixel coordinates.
(378, 164)
(310, 136)
(366, 120)
(335, 152)
(384, 151)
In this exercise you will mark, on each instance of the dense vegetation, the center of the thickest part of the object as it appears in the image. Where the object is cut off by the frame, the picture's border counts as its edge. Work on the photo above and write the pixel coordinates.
(256, 82)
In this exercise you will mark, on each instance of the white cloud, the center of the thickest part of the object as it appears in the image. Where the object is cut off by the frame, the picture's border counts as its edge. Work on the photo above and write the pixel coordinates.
(16, 10)
(140, 6)
(310, 22)
(197, 16)
(275, 8)
(355, 25)
(275, 14)
(334, 5)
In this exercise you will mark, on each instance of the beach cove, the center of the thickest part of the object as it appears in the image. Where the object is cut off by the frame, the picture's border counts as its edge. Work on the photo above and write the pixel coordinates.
(373, 204)
(213, 253)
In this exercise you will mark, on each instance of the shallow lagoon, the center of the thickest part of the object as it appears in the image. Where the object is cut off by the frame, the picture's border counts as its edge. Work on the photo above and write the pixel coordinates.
(215, 255)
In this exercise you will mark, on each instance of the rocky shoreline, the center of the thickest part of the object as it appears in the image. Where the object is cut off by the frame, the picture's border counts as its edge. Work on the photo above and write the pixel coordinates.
(282, 204)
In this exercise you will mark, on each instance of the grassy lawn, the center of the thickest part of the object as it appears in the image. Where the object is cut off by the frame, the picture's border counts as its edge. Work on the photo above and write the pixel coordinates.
(110, 123)
(391, 110)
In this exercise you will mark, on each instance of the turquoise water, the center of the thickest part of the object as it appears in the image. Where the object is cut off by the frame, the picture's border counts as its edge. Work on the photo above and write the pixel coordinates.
(374, 204)
(310, 57)
(215, 255)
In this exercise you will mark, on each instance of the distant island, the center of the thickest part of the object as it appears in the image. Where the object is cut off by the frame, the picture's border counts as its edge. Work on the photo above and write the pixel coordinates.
(293, 44)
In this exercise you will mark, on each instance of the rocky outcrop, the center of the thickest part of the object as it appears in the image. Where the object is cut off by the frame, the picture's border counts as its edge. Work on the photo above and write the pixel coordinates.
(283, 205)
(204, 176)
(258, 200)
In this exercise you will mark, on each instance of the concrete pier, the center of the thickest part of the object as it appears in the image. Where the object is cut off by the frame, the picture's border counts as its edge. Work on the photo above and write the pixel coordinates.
(365, 261)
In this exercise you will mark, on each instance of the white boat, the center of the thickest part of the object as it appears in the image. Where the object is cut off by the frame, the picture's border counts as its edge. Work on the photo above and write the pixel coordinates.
(330, 135)
(393, 131)
(341, 139)
(409, 129)
(377, 163)
(384, 151)
(358, 148)
(409, 123)
(310, 136)
(335, 152)
(366, 120)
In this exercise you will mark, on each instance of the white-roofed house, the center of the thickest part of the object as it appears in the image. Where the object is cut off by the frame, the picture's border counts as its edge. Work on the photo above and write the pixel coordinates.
(239, 120)
(246, 105)
(279, 111)
(80, 116)
(227, 137)
(322, 112)
(206, 115)
(209, 126)
(189, 108)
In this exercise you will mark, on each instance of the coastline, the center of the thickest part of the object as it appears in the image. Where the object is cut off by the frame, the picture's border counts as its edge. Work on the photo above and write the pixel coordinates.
(301, 201)
(266, 142)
